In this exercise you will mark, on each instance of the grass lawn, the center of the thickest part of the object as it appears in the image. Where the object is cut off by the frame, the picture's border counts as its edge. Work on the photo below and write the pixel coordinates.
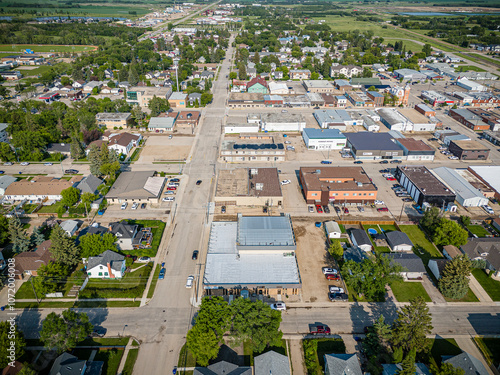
(130, 362)
(152, 287)
(157, 228)
(186, 358)
(469, 297)
(94, 304)
(52, 209)
(315, 350)
(490, 348)
(25, 291)
(347, 23)
(44, 48)
(378, 249)
(130, 286)
(440, 347)
(405, 291)
(478, 230)
(410, 46)
(465, 68)
(111, 359)
(34, 72)
(135, 154)
(103, 341)
(491, 286)
(34, 305)
(426, 249)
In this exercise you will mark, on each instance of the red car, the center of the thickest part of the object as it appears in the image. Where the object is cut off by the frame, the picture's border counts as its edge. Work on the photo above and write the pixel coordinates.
(382, 209)
(346, 210)
(171, 188)
(319, 208)
(391, 179)
(320, 330)
(332, 276)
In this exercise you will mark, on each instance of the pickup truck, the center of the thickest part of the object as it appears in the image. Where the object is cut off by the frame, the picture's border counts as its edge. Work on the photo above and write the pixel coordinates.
(319, 330)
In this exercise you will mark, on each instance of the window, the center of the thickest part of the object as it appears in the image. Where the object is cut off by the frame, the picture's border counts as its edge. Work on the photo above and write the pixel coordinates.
(89, 273)
(314, 194)
(371, 194)
(354, 194)
(99, 274)
(106, 274)
(346, 194)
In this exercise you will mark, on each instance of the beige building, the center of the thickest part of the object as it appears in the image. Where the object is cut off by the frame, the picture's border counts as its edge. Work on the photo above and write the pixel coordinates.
(113, 120)
(142, 95)
(249, 187)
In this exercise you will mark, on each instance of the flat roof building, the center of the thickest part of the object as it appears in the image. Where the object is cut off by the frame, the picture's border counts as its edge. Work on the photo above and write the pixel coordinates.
(423, 186)
(333, 119)
(489, 175)
(324, 139)
(469, 150)
(467, 195)
(394, 120)
(415, 149)
(318, 85)
(286, 122)
(113, 120)
(345, 185)
(373, 146)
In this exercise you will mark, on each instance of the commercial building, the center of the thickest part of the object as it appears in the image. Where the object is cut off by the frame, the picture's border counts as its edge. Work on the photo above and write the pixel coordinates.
(316, 99)
(254, 255)
(318, 85)
(248, 187)
(142, 95)
(469, 119)
(435, 98)
(424, 187)
(342, 185)
(300, 74)
(39, 189)
(333, 119)
(469, 150)
(370, 124)
(489, 175)
(178, 100)
(409, 74)
(282, 122)
(420, 123)
(492, 136)
(252, 150)
(425, 110)
(278, 88)
(161, 124)
(373, 146)
(415, 149)
(113, 120)
(466, 194)
(490, 117)
(136, 187)
(234, 128)
(245, 100)
(470, 85)
(324, 139)
(376, 97)
(395, 120)
(257, 85)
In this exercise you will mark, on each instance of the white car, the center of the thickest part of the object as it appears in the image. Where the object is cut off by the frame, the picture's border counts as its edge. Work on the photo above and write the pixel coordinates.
(124, 206)
(189, 282)
(170, 136)
(488, 209)
(170, 192)
(24, 163)
(168, 199)
(328, 270)
(143, 260)
(278, 306)
(453, 157)
(379, 202)
(311, 209)
(336, 289)
(286, 182)
(47, 164)
(135, 205)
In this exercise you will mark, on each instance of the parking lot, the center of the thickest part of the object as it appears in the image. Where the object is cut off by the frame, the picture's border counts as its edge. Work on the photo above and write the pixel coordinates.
(160, 148)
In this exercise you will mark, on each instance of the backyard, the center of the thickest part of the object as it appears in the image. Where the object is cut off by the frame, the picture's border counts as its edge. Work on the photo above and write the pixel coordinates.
(490, 348)
(478, 230)
(405, 291)
(157, 228)
(424, 248)
(439, 348)
(491, 286)
(315, 350)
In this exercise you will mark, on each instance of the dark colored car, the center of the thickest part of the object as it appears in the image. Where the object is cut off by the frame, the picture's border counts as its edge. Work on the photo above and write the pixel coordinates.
(337, 209)
(326, 162)
(174, 180)
(71, 171)
(198, 182)
(264, 210)
(326, 209)
(346, 210)
(98, 332)
(338, 297)
(358, 162)
(143, 206)
(223, 210)
(407, 200)
(161, 276)
(385, 171)
(384, 162)
(195, 255)
(396, 161)
(2, 172)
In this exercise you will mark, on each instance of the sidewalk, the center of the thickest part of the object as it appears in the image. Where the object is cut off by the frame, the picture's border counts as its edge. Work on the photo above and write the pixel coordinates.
(432, 291)
(467, 345)
(296, 356)
(478, 290)
(125, 355)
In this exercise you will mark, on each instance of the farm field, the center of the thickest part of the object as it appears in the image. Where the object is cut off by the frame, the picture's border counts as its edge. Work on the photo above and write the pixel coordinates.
(119, 11)
(44, 48)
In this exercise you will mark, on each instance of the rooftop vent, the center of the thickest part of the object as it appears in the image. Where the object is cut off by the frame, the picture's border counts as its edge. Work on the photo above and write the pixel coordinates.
(259, 186)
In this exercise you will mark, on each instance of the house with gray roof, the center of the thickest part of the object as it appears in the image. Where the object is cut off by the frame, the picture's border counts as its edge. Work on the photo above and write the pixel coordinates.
(355, 253)
(108, 265)
(360, 239)
(161, 124)
(142, 186)
(5, 181)
(70, 227)
(89, 184)
(470, 364)
(126, 235)
(4, 137)
(223, 368)
(271, 363)
(63, 148)
(487, 249)
(394, 369)
(68, 364)
(399, 241)
(342, 364)
(413, 267)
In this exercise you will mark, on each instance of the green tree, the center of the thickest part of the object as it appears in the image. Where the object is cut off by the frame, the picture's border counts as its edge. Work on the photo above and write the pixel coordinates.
(4, 230)
(133, 76)
(36, 237)
(70, 196)
(465, 220)
(95, 160)
(6, 339)
(233, 75)
(454, 281)
(336, 250)
(87, 199)
(63, 332)
(204, 344)
(18, 237)
(431, 219)
(95, 244)
(408, 364)
(158, 105)
(206, 98)
(449, 233)
(255, 321)
(76, 150)
(27, 370)
(6, 153)
(242, 71)
(63, 248)
(427, 49)
(377, 337)
(412, 326)
(446, 369)
(110, 169)
(137, 115)
(49, 279)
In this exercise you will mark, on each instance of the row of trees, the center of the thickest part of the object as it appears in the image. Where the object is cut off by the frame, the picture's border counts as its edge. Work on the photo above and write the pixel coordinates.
(245, 320)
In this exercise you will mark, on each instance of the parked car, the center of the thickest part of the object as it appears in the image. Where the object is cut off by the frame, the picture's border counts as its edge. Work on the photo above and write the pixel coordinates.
(332, 276)
(407, 200)
(189, 282)
(198, 182)
(338, 297)
(169, 192)
(144, 260)
(346, 210)
(384, 162)
(286, 182)
(8, 163)
(174, 180)
(310, 208)
(98, 332)
(385, 171)
(161, 276)
(223, 210)
(70, 171)
(319, 330)
(264, 210)
(101, 212)
(24, 163)
(326, 162)
(280, 306)
(488, 209)
(168, 199)
(335, 289)
(135, 205)
(124, 205)
(172, 188)
(396, 161)
(47, 164)
(328, 270)
(176, 184)
(143, 206)
(326, 209)
(382, 209)
(361, 209)
(358, 162)
(319, 209)
(337, 209)
(195, 255)
(379, 202)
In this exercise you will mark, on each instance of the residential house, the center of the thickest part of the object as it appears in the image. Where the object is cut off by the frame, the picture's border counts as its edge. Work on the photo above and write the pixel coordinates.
(258, 85)
(355, 253)
(299, 74)
(178, 100)
(277, 74)
(188, 118)
(271, 363)
(5, 182)
(360, 239)
(126, 235)
(89, 184)
(346, 70)
(223, 368)
(109, 264)
(70, 227)
(332, 229)
(78, 84)
(342, 364)
(394, 369)
(487, 249)
(399, 241)
(194, 98)
(413, 267)
(28, 262)
(436, 266)
(114, 120)
(122, 143)
(4, 137)
(470, 364)
(39, 188)
(62, 148)
(450, 251)
(68, 364)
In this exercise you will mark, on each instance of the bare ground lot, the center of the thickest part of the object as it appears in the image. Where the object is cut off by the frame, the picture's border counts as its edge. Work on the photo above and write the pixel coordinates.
(159, 148)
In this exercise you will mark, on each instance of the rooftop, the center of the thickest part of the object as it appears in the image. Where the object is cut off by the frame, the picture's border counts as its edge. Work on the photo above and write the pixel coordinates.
(412, 144)
(372, 141)
(332, 116)
(471, 145)
(489, 174)
(314, 133)
(411, 262)
(317, 83)
(457, 183)
(425, 181)
(136, 185)
(161, 122)
(116, 116)
(248, 182)
(265, 231)
(414, 116)
(177, 96)
(282, 117)
(336, 178)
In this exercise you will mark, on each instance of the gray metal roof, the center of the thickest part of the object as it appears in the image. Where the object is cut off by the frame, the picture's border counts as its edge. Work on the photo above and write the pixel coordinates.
(108, 257)
(67, 364)
(397, 238)
(372, 141)
(332, 226)
(3, 126)
(392, 116)
(342, 364)
(223, 368)
(470, 364)
(132, 185)
(457, 183)
(314, 133)
(271, 363)
(411, 262)
(89, 184)
(361, 237)
(122, 230)
(5, 181)
(161, 123)
(265, 230)
(332, 115)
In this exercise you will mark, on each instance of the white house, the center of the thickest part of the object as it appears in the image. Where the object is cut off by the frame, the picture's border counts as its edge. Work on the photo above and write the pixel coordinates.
(126, 235)
(332, 229)
(108, 265)
(70, 227)
(122, 143)
(399, 241)
(360, 239)
(346, 70)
